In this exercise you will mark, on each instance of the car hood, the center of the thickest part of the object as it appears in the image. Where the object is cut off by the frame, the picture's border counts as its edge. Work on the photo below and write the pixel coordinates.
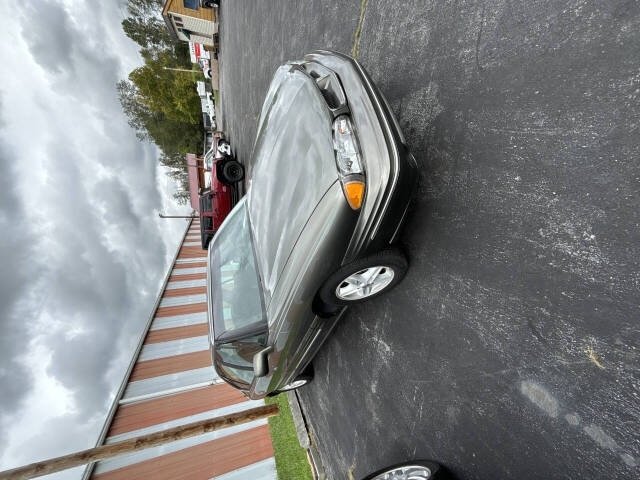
(293, 167)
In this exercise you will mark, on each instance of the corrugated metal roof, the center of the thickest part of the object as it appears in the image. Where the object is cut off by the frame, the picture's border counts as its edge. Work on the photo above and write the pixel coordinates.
(170, 382)
(114, 406)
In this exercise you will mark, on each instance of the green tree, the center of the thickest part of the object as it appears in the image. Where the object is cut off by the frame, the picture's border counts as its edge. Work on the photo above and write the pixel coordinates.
(144, 8)
(174, 138)
(162, 106)
(170, 135)
(147, 32)
(138, 114)
(167, 91)
(145, 26)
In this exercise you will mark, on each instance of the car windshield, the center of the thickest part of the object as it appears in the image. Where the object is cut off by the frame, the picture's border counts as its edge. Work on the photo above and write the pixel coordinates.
(236, 294)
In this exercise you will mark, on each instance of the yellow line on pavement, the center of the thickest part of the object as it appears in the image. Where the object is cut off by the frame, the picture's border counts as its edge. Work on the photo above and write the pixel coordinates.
(356, 40)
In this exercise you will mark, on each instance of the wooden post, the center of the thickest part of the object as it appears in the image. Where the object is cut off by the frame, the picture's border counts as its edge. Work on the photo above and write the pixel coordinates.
(138, 443)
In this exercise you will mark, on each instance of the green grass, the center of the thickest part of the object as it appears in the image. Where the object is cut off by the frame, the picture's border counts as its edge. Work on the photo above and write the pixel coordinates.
(291, 458)
(216, 97)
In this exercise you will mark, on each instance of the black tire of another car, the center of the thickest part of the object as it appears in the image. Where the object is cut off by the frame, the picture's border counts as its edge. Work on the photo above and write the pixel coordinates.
(390, 263)
(232, 172)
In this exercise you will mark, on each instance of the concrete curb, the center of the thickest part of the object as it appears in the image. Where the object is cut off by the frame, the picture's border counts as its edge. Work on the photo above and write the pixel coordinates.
(305, 437)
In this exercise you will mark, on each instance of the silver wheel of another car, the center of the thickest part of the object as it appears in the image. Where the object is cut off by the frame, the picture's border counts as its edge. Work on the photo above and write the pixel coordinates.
(416, 470)
(410, 472)
(365, 283)
(295, 384)
(300, 381)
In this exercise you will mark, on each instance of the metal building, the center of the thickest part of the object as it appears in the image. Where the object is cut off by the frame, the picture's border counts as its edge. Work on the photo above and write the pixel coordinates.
(170, 382)
(188, 21)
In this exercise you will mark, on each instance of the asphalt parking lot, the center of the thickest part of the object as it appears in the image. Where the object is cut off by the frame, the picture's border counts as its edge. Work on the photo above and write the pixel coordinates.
(510, 350)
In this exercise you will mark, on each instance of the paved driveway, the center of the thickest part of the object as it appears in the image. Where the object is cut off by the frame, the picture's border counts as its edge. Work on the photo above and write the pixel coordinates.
(511, 348)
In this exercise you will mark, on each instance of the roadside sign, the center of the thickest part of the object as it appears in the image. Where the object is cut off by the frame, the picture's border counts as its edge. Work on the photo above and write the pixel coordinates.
(192, 52)
(201, 88)
(197, 51)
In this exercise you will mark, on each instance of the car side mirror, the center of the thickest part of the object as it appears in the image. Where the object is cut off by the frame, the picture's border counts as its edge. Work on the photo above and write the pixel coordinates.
(261, 362)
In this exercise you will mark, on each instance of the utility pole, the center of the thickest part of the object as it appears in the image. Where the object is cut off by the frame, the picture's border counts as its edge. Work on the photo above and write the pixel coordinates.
(161, 215)
(181, 70)
(135, 444)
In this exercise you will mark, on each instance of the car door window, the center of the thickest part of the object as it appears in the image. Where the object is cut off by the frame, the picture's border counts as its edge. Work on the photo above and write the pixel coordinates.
(234, 360)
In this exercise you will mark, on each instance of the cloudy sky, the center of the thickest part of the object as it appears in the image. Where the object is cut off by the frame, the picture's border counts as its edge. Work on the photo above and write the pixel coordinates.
(83, 250)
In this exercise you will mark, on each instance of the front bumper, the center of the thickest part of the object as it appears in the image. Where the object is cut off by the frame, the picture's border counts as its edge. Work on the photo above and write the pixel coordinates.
(389, 166)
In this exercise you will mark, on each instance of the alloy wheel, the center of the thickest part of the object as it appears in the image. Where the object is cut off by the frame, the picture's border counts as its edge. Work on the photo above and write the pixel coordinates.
(295, 384)
(365, 283)
(408, 472)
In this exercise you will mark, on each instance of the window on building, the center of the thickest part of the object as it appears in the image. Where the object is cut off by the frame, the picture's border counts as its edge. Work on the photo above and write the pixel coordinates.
(192, 4)
(177, 19)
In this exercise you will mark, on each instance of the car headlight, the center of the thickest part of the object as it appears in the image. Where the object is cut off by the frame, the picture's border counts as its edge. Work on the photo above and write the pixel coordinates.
(348, 161)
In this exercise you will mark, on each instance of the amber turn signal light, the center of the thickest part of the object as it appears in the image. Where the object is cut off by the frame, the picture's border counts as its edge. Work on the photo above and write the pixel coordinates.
(354, 191)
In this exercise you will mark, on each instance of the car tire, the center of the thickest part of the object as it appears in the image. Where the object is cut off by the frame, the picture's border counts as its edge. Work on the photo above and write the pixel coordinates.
(232, 172)
(364, 279)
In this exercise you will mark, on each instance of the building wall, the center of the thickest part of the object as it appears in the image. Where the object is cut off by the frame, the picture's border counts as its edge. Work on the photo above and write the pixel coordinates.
(177, 7)
(202, 23)
(205, 40)
(173, 383)
(198, 25)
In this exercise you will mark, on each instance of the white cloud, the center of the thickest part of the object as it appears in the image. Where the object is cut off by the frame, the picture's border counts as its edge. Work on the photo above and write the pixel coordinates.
(81, 234)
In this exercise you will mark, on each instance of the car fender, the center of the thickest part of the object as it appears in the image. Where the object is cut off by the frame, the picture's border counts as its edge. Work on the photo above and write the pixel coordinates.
(317, 253)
